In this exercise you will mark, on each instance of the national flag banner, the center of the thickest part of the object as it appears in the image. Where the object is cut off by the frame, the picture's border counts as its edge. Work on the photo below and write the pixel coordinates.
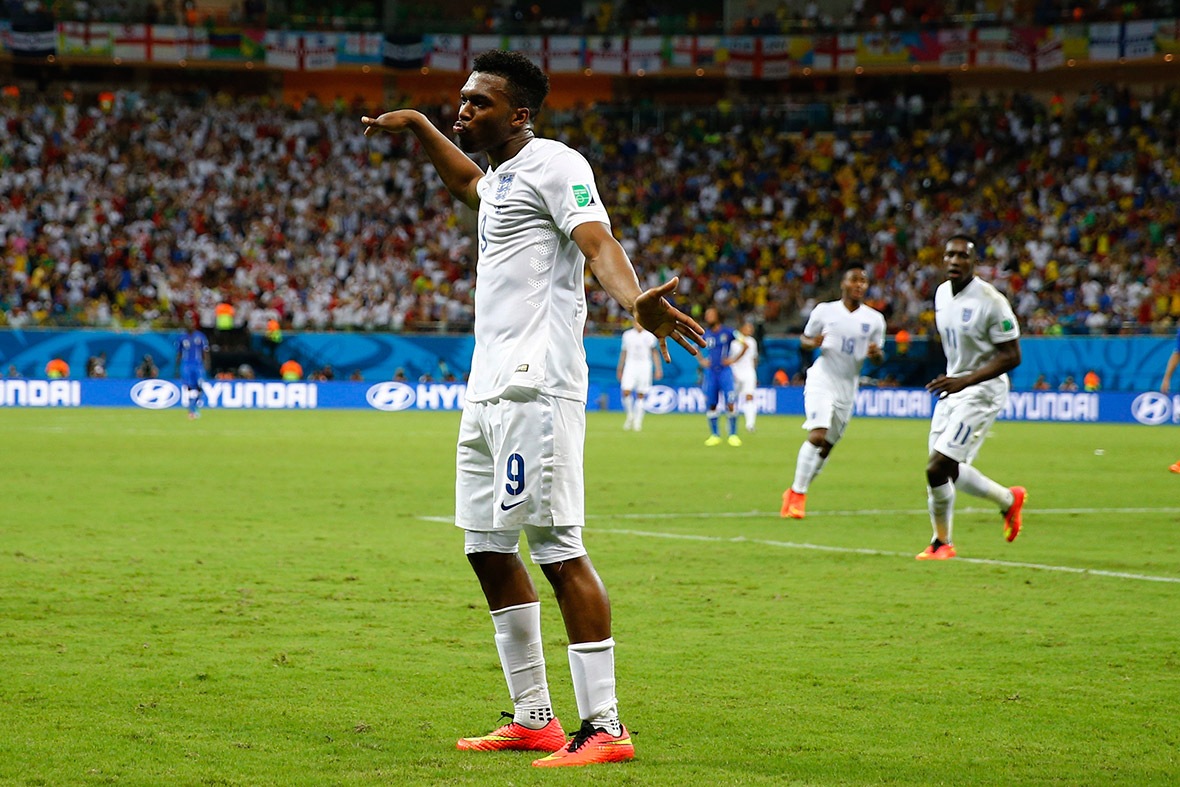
(300, 51)
(1050, 50)
(532, 47)
(1106, 40)
(802, 51)
(1139, 39)
(85, 38)
(776, 57)
(835, 53)
(360, 47)
(5, 35)
(225, 44)
(478, 44)
(34, 35)
(403, 51)
(884, 49)
(148, 43)
(1034, 49)
(564, 54)
(192, 43)
(742, 56)
(991, 48)
(645, 53)
(681, 51)
(1167, 35)
(607, 54)
(447, 52)
(253, 44)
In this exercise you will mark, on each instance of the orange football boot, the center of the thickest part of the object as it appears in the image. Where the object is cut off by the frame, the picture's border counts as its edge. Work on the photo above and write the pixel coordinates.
(794, 505)
(516, 737)
(944, 552)
(1175, 468)
(1012, 515)
(589, 746)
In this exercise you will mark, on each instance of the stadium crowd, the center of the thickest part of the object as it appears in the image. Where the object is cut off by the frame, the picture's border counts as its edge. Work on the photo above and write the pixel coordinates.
(138, 211)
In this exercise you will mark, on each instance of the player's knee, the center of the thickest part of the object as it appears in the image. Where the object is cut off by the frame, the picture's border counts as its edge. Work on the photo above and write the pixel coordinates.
(819, 438)
(940, 469)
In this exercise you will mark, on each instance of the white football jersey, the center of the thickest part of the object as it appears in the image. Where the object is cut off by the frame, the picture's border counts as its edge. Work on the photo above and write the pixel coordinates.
(637, 349)
(748, 362)
(530, 298)
(847, 336)
(971, 324)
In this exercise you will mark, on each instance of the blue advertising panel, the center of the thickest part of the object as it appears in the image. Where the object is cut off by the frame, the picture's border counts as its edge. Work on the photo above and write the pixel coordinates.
(1150, 408)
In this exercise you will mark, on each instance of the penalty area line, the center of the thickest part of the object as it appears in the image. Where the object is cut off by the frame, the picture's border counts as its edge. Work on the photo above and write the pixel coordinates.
(884, 553)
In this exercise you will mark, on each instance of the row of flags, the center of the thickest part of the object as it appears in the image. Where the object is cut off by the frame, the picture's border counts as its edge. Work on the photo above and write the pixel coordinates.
(758, 57)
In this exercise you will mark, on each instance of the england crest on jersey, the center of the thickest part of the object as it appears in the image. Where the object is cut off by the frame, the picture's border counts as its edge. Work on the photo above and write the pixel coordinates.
(864, 327)
(504, 185)
(967, 314)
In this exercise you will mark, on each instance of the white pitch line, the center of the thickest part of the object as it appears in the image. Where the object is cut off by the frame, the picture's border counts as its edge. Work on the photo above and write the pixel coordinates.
(854, 551)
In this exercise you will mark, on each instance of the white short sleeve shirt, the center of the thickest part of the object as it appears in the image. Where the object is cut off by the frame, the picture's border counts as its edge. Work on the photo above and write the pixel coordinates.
(530, 299)
(847, 336)
(971, 324)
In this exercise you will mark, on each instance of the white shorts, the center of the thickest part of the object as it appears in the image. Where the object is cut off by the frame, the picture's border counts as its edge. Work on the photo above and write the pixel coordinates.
(519, 462)
(744, 384)
(636, 378)
(824, 411)
(962, 420)
(546, 544)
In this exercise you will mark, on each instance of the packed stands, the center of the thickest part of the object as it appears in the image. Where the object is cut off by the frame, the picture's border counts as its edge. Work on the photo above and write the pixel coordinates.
(134, 214)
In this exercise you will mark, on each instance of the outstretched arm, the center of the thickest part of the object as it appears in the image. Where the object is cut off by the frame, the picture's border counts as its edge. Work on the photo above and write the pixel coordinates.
(608, 261)
(1006, 359)
(1173, 362)
(459, 173)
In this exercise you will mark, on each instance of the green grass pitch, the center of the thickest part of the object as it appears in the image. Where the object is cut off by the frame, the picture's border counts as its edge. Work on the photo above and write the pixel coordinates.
(270, 598)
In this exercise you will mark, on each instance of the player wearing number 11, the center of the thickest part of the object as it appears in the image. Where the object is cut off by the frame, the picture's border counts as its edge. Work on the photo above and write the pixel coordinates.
(519, 455)
(981, 340)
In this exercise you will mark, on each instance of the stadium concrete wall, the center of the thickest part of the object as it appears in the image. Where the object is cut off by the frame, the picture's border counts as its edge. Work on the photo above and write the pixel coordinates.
(1149, 408)
(1132, 363)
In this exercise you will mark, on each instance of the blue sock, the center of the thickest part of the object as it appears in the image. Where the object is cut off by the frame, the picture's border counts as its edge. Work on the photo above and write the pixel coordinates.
(733, 424)
(713, 423)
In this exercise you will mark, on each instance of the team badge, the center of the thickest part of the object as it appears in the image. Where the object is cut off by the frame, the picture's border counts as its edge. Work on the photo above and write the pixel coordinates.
(967, 314)
(504, 185)
(864, 327)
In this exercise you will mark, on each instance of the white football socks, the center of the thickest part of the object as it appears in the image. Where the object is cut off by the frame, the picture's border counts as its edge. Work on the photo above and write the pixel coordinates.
(976, 483)
(807, 467)
(518, 640)
(637, 412)
(592, 666)
(751, 412)
(628, 407)
(941, 502)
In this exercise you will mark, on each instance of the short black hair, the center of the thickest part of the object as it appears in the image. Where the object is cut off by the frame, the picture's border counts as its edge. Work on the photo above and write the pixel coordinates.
(969, 238)
(527, 84)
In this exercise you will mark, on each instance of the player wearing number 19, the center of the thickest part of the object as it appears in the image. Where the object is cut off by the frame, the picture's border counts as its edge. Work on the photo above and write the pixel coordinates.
(846, 331)
(519, 457)
(981, 340)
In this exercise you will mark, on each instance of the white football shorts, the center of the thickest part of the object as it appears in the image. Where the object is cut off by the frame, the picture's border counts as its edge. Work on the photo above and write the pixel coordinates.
(962, 420)
(636, 378)
(822, 410)
(518, 466)
(744, 384)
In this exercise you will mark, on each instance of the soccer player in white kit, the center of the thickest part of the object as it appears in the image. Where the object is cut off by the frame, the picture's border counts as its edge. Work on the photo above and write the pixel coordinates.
(981, 340)
(846, 331)
(519, 454)
(743, 355)
(638, 358)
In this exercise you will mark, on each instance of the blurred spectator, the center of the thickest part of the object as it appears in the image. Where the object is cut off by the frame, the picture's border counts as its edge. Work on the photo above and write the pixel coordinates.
(96, 365)
(1041, 384)
(291, 370)
(148, 369)
(245, 372)
(356, 376)
(12, 372)
(57, 369)
(1091, 381)
(1068, 384)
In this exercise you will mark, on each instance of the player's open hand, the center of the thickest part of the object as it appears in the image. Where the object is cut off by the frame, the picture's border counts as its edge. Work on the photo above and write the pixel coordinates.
(393, 122)
(655, 314)
(944, 386)
(875, 354)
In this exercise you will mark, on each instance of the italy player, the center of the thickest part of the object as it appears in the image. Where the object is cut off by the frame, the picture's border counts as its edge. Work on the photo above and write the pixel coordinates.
(744, 364)
(192, 359)
(1166, 385)
(639, 359)
(981, 340)
(520, 447)
(718, 377)
(847, 332)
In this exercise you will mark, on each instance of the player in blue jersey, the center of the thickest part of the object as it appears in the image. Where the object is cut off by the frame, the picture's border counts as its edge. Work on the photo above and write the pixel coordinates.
(1166, 385)
(192, 358)
(718, 377)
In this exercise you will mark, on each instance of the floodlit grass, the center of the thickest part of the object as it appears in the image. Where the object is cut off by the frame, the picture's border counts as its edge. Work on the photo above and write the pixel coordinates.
(256, 598)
